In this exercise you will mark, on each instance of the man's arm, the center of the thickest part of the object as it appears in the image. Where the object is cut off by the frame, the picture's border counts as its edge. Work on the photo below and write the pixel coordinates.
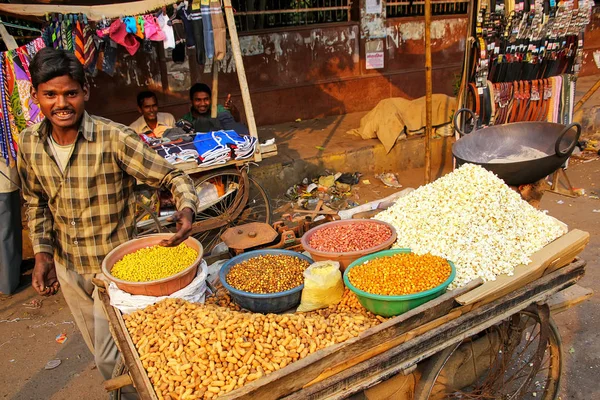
(40, 222)
(144, 164)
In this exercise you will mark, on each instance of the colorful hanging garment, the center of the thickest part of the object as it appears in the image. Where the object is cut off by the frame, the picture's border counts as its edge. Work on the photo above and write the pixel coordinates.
(79, 43)
(7, 137)
(17, 120)
(22, 87)
(89, 48)
(32, 111)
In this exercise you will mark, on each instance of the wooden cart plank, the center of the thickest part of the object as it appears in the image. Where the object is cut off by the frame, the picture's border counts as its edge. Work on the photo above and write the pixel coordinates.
(555, 255)
(288, 379)
(568, 298)
(128, 351)
(402, 357)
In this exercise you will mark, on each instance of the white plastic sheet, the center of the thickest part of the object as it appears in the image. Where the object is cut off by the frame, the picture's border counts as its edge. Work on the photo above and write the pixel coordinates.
(128, 303)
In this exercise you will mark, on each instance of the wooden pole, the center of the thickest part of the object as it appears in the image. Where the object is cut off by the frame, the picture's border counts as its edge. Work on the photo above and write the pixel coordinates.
(587, 96)
(428, 90)
(215, 89)
(239, 66)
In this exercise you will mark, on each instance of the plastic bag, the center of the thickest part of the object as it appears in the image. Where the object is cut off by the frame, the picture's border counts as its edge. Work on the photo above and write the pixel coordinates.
(128, 303)
(323, 286)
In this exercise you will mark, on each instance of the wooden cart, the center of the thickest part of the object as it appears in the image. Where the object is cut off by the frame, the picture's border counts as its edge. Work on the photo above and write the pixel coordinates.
(504, 328)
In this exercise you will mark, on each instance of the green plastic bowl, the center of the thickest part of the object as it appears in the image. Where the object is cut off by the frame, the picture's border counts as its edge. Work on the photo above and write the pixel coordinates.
(389, 306)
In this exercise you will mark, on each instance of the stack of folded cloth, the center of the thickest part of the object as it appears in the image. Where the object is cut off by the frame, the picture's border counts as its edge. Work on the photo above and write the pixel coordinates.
(209, 149)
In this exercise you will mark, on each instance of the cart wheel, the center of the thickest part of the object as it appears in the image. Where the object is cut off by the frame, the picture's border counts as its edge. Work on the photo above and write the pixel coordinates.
(119, 370)
(227, 209)
(517, 359)
(146, 221)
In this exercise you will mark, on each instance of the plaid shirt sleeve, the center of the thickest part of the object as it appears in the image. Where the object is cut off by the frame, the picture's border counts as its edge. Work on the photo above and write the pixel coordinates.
(144, 164)
(38, 213)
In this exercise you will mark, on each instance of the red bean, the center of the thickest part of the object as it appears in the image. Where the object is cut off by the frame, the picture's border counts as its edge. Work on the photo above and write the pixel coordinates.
(351, 237)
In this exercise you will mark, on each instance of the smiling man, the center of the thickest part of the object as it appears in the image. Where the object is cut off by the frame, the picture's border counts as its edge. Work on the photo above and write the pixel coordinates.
(228, 116)
(152, 122)
(78, 174)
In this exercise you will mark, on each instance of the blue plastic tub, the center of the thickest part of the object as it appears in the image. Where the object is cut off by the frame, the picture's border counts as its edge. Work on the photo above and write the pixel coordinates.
(390, 306)
(268, 302)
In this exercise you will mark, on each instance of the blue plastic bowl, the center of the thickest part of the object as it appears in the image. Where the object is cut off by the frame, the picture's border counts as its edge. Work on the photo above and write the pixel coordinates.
(389, 306)
(267, 302)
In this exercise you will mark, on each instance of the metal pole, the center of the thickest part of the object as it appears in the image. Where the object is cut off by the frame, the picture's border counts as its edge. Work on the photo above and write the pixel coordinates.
(428, 90)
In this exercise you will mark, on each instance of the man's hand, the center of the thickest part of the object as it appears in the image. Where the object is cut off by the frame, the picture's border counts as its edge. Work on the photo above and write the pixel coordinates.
(184, 220)
(228, 103)
(44, 279)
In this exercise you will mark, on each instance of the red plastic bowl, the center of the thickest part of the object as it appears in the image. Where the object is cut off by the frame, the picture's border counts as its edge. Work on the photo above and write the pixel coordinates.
(346, 259)
(161, 287)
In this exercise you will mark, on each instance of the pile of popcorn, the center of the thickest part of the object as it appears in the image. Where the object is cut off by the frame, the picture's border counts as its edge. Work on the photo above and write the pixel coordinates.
(471, 217)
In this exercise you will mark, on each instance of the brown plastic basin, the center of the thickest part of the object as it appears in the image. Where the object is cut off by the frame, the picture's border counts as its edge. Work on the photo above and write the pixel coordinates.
(345, 259)
(161, 287)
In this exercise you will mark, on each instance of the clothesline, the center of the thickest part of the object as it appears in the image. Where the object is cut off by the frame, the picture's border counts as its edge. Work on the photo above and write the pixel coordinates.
(94, 13)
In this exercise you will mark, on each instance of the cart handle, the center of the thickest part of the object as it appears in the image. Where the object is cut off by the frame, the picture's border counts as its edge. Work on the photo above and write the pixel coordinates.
(569, 149)
(474, 123)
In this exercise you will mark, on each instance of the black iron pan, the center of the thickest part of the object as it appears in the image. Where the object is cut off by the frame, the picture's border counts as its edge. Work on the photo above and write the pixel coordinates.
(520, 152)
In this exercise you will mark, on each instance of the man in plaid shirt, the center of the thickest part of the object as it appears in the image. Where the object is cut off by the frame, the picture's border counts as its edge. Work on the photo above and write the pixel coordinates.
(78, 174)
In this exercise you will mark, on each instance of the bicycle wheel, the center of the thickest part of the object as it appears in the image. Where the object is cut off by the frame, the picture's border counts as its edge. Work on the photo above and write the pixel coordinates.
(517, 359)
(228, 199)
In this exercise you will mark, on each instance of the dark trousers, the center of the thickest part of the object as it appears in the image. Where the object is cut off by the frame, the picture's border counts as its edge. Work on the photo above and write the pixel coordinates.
(10, 241)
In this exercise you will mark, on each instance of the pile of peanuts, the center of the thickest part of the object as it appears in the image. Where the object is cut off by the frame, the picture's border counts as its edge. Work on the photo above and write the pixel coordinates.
(400, 274)
(344, 238)
(194, 351)
(269, 273)
(153, 263)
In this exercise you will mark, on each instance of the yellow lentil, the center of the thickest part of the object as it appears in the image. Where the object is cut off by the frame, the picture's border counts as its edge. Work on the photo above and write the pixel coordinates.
(268, 274)
(400, 274)
(153, 263)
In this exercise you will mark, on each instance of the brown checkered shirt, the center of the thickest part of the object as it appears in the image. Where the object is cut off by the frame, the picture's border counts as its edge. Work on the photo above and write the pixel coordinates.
(82, 214)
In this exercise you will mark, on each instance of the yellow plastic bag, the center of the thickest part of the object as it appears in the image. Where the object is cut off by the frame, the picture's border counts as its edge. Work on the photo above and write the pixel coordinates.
(323, 286)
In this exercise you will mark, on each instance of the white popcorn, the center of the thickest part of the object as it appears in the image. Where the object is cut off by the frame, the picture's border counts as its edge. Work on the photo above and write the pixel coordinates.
(474, 219)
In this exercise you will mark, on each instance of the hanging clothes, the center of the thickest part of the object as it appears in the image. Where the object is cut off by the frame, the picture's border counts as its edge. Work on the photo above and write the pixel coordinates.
(184, 16)
(89, 49)
(79, 42)
(195, 16)
(219, 29)
(164, 23)
(209, 44)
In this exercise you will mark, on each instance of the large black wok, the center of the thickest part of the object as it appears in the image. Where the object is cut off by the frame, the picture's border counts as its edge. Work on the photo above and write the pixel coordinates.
(520, 152)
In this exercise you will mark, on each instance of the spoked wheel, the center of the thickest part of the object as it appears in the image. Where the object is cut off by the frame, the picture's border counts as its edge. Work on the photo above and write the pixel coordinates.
(228, 198)
(517, 359)
(146, 221)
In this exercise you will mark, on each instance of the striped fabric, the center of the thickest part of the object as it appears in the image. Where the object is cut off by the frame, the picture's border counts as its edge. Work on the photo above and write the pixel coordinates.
(89, 47)
(79, 44)
(82, 214)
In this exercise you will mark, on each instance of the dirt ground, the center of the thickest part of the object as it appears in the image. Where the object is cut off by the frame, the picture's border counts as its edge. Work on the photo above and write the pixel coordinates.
(28, 329)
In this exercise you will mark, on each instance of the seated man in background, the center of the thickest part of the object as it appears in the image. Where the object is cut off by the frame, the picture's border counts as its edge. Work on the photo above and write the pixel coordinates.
(152, 123)
(200, 112)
